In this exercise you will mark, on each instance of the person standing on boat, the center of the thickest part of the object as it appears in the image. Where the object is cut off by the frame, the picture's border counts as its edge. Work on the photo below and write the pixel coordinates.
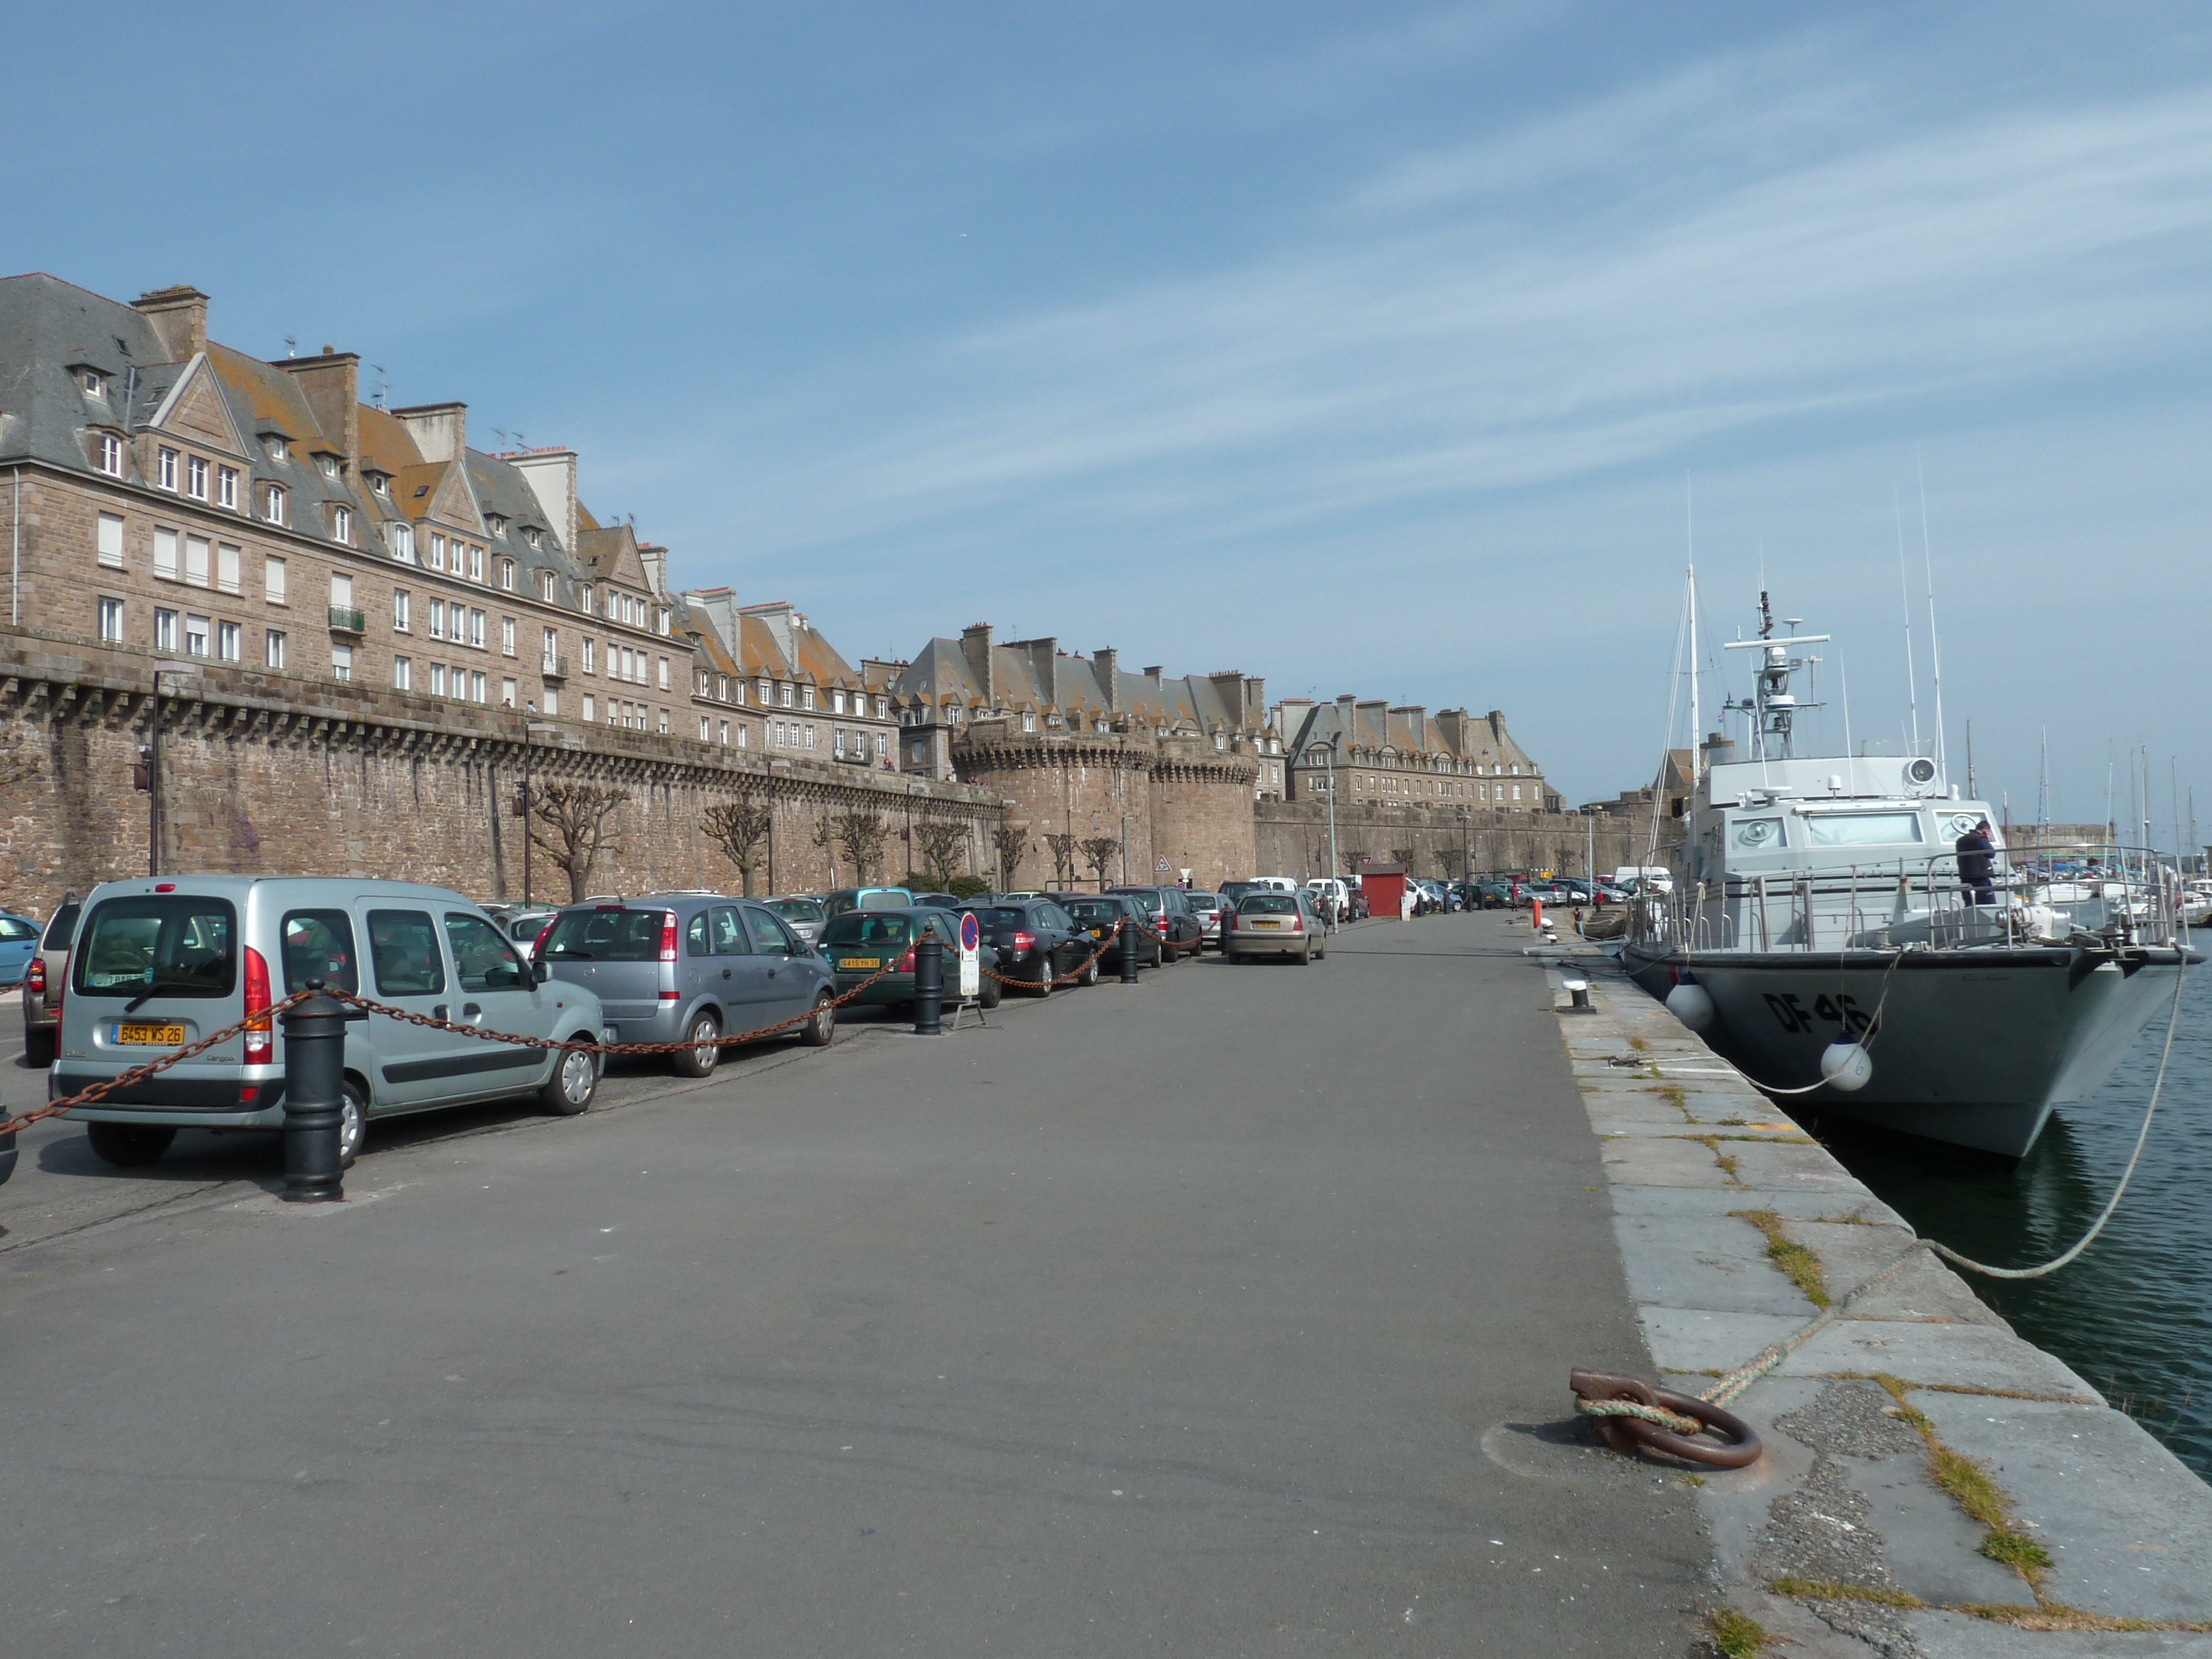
(1974, 849)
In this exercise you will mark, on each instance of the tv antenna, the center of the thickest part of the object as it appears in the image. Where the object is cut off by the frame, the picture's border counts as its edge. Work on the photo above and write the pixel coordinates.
(380, 386)
(291, 345)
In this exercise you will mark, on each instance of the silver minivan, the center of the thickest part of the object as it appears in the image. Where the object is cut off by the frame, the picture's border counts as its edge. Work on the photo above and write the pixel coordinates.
(689, 967)
(159, 963)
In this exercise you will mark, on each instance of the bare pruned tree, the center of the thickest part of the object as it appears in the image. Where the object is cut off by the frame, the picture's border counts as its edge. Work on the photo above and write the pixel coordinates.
(1098, 852)
(739, 828)
(1063, 858)
(569, 822)
(1010, 842)
(823, 835)
(863, 835)
(940, 844)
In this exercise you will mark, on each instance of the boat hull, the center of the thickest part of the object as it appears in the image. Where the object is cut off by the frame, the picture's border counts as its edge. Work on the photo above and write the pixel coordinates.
(1973, 1047)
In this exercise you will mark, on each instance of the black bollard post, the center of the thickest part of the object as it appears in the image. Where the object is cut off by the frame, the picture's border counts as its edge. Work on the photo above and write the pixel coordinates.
(1128, 954)
(928, 986)
(315, 1098)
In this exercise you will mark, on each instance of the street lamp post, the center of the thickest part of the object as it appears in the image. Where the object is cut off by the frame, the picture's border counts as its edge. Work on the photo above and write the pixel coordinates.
(1329, 760)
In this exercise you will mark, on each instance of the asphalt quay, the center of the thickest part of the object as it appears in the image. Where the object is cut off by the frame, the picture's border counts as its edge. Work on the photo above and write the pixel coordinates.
(1226, 1314)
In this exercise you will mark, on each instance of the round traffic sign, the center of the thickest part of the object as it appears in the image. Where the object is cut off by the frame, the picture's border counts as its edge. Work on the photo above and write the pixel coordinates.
(971, 935)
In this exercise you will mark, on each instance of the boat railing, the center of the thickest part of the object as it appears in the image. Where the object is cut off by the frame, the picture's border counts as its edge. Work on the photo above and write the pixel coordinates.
(2119, 895)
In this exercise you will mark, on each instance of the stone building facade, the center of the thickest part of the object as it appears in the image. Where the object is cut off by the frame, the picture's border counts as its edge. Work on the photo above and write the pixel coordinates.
(1166, 769)
(1372, 751)
(370, 629)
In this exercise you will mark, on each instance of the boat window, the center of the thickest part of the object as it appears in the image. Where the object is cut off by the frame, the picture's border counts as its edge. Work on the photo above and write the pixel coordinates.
(1862, 828)
(1758, 834)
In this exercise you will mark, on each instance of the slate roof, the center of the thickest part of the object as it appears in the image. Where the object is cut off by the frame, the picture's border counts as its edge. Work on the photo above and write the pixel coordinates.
(1374, 727)
(1037, 677)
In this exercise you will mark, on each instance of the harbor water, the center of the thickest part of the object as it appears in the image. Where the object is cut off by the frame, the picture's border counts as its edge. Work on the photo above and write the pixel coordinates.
(2134, 1315)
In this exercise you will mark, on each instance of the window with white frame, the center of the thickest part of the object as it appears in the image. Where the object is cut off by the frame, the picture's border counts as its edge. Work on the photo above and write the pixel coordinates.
(228, 576)
(226, 487)
(664, 673)
(506, 693)
(403, 674)
(837, 707)
(587, 656)
(437, 619)
(110, 621)
(588, 704)
(883, 709)
(789, 691)
(476, 632)
(547, 583)
(342, 524)
(341, 590)
(479, 685)
(663, 719)
(273, 648)
(809, 737)
(706, 732)
(94, 383)
(437, 679)
(164, 630)
(195, 635)
(109, 545)
(403, 542)
(806, 696)
(507, 574)
(403, 611)
(506, 637)
(196, 560)
(549, 650)
(330, 466)
(765, 696)
(111, 454)
(552, 701)
(196, 477)
(584, 599)
(229, 642)
(476, 571)
(165, 468)
(278, 449)
(437, 551)
(272, 579)
(272, 504)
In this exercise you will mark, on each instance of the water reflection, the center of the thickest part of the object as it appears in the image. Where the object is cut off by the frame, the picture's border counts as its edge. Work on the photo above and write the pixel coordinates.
(2134, 1315)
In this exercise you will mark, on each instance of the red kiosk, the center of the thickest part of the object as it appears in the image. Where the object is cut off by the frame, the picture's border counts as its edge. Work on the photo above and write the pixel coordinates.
(1384, 884)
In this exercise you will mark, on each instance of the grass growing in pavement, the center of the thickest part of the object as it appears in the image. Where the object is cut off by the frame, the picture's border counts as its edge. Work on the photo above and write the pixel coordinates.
(1975, 1491)
(1736, 1635)
(1824, 1590)
(1798, 1261)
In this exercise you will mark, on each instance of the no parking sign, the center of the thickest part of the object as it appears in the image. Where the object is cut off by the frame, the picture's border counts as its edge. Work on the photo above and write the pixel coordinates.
(971, 972)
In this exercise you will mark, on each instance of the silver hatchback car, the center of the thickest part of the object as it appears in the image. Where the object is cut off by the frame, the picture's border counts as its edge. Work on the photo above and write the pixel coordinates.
(689, 967)
(158, 963)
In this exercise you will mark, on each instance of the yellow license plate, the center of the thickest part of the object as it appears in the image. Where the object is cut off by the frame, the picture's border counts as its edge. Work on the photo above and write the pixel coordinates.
(860, 962)
(166, 1036)
(1271, 924)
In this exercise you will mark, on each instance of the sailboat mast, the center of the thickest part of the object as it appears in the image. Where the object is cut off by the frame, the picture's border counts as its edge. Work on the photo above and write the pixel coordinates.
(1697, 719)
(1904, 591)
(1935, 641)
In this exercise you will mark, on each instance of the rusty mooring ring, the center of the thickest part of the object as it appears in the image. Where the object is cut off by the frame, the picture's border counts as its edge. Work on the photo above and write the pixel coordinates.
(1627, 1434)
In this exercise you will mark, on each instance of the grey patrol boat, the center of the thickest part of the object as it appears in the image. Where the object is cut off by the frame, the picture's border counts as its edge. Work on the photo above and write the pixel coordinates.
(1820, 937)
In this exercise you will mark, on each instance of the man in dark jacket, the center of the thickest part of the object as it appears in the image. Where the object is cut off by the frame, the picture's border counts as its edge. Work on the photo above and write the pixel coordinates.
(1974, 849)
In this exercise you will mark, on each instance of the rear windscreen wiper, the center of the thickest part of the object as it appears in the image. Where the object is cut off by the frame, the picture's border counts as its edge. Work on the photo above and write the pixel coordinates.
(156, 988)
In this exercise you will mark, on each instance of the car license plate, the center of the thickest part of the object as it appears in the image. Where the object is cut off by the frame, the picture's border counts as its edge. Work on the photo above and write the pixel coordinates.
(1271, 924)
(860, 962)
(163, 1036)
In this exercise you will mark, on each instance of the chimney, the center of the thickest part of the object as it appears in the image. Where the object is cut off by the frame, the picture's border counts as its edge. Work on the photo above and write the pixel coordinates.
(551, 476)
(1255, 703)
(720, 607)
(1107, 663)
(1155, 673)
(976, 646)
(178, 315)
(1497, 719)
(331, 385)
(656, 561)
(1411, 722)
(440, 432)
(1043, 659)
(1452, 722)
(783, 623)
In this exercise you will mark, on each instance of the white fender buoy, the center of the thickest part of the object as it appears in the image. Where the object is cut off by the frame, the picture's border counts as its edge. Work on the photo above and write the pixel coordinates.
(1847, 1067)
(1690, 1004)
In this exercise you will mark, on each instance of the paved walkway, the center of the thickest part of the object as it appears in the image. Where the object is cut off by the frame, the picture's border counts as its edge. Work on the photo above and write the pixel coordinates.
(1229, 1315)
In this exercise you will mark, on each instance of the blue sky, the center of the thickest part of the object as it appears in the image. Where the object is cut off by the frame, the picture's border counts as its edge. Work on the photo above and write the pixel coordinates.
(1372, 349)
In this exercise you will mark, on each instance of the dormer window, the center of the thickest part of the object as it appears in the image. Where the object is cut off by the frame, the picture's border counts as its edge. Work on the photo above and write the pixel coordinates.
(196, 477)
(380, 484)
(507, 574)
(330, 464)
(226, 487)
(496, 524)
(108, 452)
(584, 599)
(341, 524)
(546, 582)
(272, 504)
(94, 383)
(806, 696)
(530, 536)
(403, 542)
(278, 449)
(165, 468)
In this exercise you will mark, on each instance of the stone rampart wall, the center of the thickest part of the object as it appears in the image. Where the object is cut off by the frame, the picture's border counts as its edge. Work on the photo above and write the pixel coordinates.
(1292, 839)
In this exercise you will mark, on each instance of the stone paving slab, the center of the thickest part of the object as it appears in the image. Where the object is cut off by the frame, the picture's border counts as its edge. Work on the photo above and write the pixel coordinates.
(1922, 1289)
(2128, 1524)
(1662, 1164)
(1670, 1259)
(1956, 1356)
(1804, 1203)
(1961, 1636)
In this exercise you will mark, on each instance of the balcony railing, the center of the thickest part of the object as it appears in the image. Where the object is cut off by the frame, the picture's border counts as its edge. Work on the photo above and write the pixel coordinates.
(345, 619)
(555, 667)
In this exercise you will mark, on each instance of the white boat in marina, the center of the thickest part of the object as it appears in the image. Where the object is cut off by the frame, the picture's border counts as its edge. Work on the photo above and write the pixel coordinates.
(1820, 937)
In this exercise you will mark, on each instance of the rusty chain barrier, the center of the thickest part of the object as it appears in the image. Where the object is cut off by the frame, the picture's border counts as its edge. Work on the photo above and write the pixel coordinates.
(92, 1094)
(1090, 962)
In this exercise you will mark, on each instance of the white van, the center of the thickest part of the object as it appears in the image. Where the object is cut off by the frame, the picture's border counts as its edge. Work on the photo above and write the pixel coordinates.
(1647, 877)
(1275, 884)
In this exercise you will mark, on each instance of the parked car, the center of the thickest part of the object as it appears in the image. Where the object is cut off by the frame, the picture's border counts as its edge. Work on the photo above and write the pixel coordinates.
(1096, 915)
(19, 944)
(1358, 895)
(866, 898)
(526, 927)
(690, 967)
(1036, 940)
(802, 913)
(941, 900)
(1168, 910)
(158, 965)
(1276, 883)
(861, 942)
(1330, 897)
(1207, 908)
(43, 981)
(1274, 925)
(1233, 891)
(1009, 898)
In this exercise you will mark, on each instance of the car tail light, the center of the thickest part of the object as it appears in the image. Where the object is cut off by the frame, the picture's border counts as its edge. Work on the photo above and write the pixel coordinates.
(34, 981)
(260, 1041)
(1023, 941)
(906, 961)
(538, 944)
(1160, 924)
(668, 935)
